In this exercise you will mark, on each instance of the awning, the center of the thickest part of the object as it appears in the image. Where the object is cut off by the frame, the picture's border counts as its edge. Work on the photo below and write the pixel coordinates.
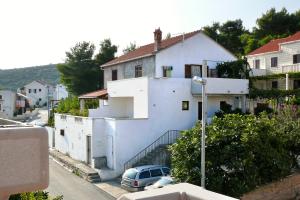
(99, 94)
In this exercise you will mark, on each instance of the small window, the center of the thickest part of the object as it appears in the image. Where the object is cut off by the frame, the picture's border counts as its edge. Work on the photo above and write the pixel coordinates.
(296, 84)
(257, 64)
(62, 132)
(145, 174)
(296, 58)
(167, 71)
(114, 75)
(40, 90)
(40, 99)
(34, 91)
(0, 96)
(274, 62)
(156, 172)
(138, 71)
(29, 90)
(185, 105)
(274, 84)
(166, 171)
(188, 71)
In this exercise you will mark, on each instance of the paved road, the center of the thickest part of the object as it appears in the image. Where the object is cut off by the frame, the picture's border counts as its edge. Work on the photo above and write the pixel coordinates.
(63, 182)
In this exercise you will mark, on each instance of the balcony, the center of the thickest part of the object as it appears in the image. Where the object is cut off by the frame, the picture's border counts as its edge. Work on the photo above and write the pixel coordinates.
(222, 86)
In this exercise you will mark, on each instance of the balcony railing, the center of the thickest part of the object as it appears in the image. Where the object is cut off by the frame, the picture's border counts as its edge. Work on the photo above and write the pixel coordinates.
(291, 68)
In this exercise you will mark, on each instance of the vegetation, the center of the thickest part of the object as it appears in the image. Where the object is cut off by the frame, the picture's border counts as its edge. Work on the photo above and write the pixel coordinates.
(13, 79)
(131, 47)
(271, 25)
(39, 195)
(81, 71)
(242, 151)
(234, 69)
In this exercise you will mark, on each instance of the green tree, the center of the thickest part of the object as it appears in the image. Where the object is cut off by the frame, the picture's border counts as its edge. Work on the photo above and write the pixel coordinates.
(234, 69)
(80, 73)
(242, 152)
(131, 47)
(168, 36)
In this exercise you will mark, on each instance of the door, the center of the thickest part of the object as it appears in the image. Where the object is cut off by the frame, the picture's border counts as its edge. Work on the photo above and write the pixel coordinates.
(110, 152)
(88, 149)
(199, 110)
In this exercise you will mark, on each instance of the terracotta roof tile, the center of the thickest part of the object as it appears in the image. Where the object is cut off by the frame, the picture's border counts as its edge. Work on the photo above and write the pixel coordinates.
(274, 44)
(148, 50)
(94, 94)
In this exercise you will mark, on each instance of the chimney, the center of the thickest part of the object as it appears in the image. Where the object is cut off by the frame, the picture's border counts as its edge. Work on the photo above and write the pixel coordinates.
(157, 39)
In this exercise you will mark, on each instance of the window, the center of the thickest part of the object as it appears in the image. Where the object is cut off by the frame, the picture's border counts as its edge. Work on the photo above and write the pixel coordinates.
(114, 75)
(138, 71)
(29, 90)
(62, 132)
(0, 107)
(130, 173)
(274, 84)
(40, 90)
(257, 64)
(274, 62)
(156, 172)
(167, 70)
(185, 105)
(166, 171)
(296, 58)
(0, 96)
(34, 91)
(40, 99)
(145, 174)
(296, 84)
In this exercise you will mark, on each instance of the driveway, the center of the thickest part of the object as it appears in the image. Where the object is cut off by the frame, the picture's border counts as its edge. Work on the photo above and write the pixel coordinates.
(72, 187)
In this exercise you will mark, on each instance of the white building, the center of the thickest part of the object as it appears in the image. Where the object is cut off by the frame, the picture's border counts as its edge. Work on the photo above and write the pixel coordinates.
(280, 56)
(7, 103)
(38, 92)
(149, 92)
(60, 92)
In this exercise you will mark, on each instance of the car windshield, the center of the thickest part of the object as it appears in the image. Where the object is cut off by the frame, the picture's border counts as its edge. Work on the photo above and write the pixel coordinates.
(163, 182)
(130, 173)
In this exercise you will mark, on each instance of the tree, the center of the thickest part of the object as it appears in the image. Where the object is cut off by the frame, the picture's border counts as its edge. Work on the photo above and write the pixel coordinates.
(228, 34)
(242, 152)
(131, 47)
(168, 36)
(234, 69)
(79, 73)
(106, 53)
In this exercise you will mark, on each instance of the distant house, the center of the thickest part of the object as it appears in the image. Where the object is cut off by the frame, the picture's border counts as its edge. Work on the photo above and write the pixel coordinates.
(60, 92)
(11, 103)
(280, 56)
(149, 96)
(38, 92)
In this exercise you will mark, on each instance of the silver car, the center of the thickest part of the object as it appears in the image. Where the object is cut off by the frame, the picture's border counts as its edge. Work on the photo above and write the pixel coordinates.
(136, 179)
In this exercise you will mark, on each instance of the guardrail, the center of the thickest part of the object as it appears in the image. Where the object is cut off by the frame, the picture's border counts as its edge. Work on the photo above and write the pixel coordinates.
(167, 138)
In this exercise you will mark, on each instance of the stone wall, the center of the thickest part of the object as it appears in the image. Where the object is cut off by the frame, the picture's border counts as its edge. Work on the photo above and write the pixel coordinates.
(285, 189)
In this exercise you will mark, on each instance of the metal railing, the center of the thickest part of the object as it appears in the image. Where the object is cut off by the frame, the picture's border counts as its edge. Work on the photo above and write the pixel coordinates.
(167, 138)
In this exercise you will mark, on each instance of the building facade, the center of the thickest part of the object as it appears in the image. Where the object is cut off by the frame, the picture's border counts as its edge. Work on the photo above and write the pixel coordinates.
(280, 56)
(148, 92)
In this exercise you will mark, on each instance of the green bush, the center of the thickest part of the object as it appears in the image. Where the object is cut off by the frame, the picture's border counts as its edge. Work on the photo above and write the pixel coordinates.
(242, 152)
(71, 105)
(39, 195)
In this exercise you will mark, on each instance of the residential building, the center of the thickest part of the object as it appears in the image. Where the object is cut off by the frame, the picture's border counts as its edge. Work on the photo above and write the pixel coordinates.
(11, 103)
(149, 92)
(279, 56)
(38, 92)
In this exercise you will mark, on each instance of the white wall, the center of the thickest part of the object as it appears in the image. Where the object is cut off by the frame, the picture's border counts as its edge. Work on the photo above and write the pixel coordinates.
(43, 94)
(191, 51)
(8, 104)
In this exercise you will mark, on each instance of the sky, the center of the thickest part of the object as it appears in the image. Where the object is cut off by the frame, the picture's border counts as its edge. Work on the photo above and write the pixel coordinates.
(39, 32)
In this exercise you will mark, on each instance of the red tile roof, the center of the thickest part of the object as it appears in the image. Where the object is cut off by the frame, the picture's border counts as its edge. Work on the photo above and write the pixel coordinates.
(148, 50)
(94, 95)
(274, 44)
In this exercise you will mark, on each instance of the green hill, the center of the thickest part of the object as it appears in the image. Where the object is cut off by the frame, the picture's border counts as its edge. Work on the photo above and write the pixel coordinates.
(15, 78)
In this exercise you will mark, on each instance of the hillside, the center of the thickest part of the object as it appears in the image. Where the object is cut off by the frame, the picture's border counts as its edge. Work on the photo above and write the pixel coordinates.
(14, 78)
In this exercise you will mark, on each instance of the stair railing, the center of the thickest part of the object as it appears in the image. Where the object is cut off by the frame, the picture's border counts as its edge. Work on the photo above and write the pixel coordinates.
(167, 138)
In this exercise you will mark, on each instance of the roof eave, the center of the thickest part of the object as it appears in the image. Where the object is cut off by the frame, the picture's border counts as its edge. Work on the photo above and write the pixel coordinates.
(128, 60)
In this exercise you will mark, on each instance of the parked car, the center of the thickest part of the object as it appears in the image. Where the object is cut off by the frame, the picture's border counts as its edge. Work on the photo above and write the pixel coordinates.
(162, 182)
(136, 179)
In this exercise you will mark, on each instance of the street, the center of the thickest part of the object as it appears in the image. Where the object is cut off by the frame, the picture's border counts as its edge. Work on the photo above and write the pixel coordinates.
(72, 187)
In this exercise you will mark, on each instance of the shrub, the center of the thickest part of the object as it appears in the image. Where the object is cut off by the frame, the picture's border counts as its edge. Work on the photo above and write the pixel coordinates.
(71, 105)
(242, 152)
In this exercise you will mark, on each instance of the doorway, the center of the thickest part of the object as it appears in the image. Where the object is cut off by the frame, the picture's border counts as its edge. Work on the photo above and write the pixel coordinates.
(88, 149)
(199, 110)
